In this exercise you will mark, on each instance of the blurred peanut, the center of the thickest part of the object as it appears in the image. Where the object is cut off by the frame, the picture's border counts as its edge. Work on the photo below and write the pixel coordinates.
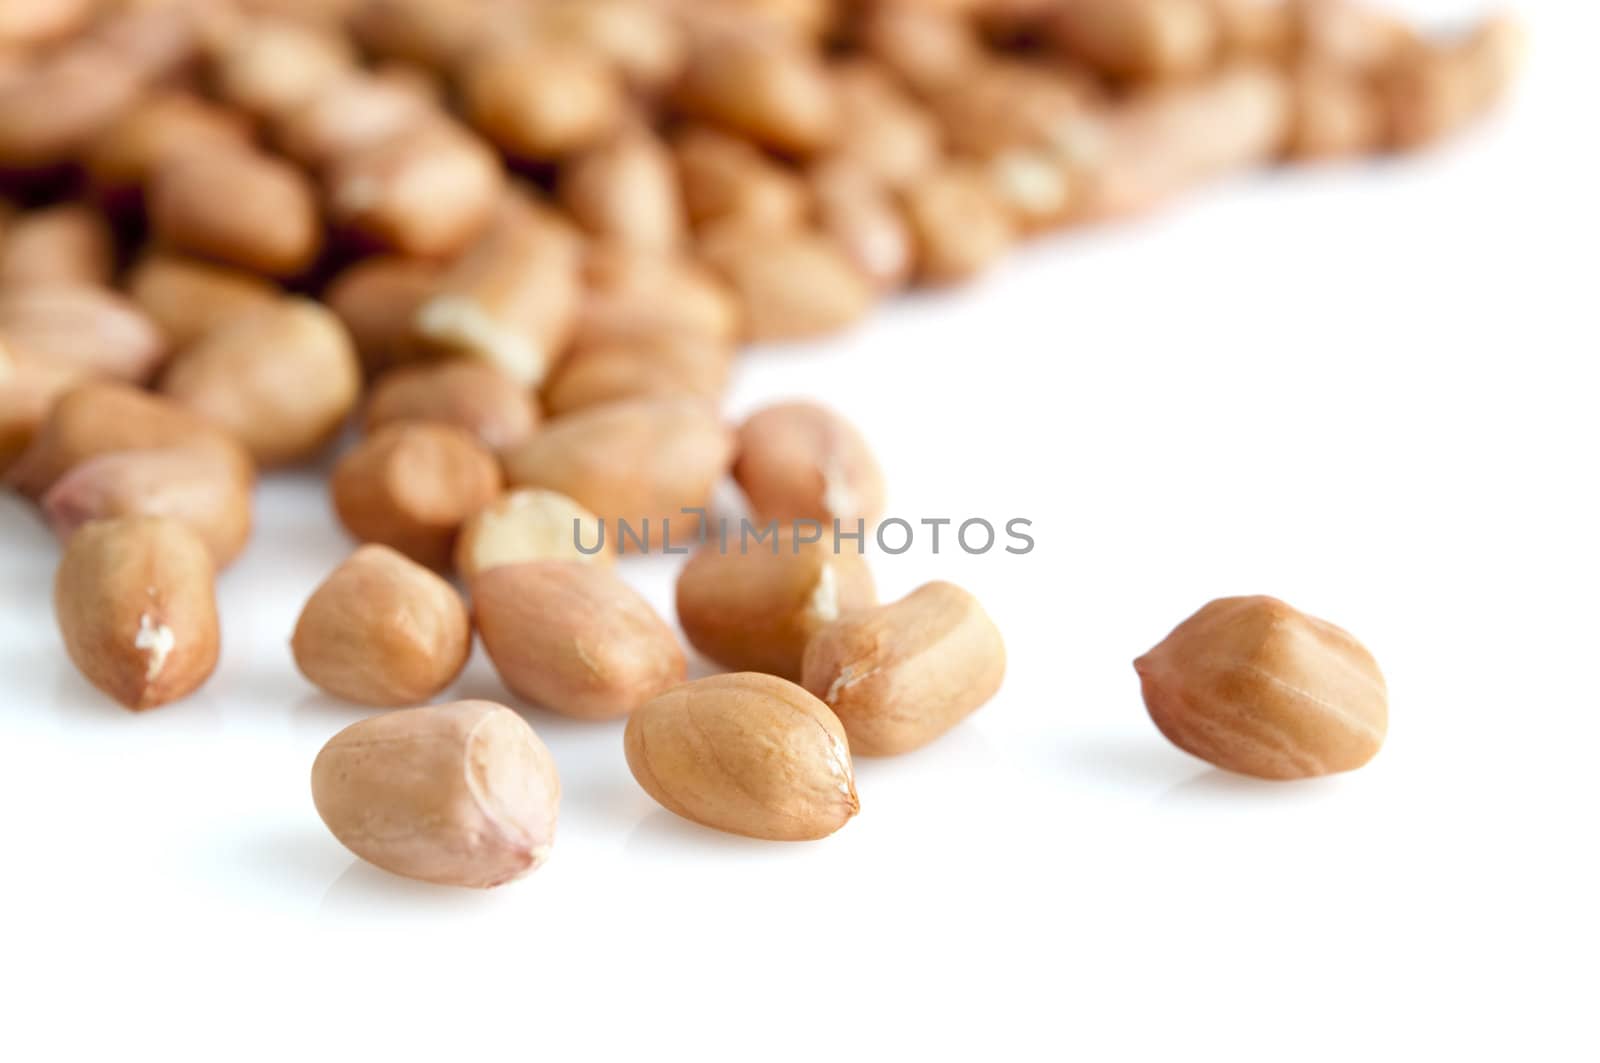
(377, 299)
(728, 180)
(763, 86)
(1138, 40)
(69, 244)
(411, 485)
(864, 219)
(541, 102)
(626, 191)
(791, 285)
(629, 295)
(958, 222)
(80, 327)
(478, 398)
(282, 379)
(237, 207)
(187, 298)
(668, 364)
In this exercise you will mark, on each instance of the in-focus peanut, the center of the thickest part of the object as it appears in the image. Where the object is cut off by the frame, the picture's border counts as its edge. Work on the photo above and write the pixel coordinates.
(528, 524)
(802, 461)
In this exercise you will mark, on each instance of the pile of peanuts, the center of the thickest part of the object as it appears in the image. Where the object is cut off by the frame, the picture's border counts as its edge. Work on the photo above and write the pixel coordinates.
(518, 242)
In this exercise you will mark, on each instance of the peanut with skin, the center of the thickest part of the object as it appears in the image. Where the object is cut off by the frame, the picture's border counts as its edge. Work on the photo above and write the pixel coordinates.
(411, 485)
(801, 461)
(191, 485)
(904, 674)
(626, 191)
(196, 200)
(745, 753)
(80, 327)
(542, 103)
(188, 298)
(382, 630)
(792, 285)
(761, 86)
(137, 609)
(68, 245)
(574, 638)
(754, 610)
(1257, 687)
(633, 461)
(377, 299)
(632, 295)
(463, 794)
(476, 397)
(668, 365)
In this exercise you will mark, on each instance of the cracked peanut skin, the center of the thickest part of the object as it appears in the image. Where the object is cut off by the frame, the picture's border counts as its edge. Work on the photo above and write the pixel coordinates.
(136, 604)
(901, 675)
(745, 753)
(463, 794)
(574, 638)
(1254, 686)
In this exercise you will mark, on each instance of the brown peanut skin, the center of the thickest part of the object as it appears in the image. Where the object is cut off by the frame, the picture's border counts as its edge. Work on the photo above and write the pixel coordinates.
(235, 206)
(463, 794)
(82, 327)
(802, 461)
(66, 245)
(411, 485)
(189, 484)
(632, 460)
(573, 638)
(478, 398)
(661, 366)
(1256, 687)
(382, 630)
(904, 674)
(790, 285)
(764, 87)
(377, 299)
(282, 379)
(754, 610)
(100, 417)
(136, 604)
(746, 753)
(188, 298)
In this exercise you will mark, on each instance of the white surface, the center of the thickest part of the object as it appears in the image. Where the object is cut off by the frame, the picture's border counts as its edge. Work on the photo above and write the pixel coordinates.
(1367, 390)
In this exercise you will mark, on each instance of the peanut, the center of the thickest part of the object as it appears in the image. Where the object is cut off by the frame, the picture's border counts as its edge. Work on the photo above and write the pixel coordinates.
(728, 180)
(626, 191)
(639, 461)
(187, 298)
(65, 245)
(745, 753)
(377, 299)
(351, 115)
(238, 207)
(754, 610)
(959, 225)
(511, 301)
(476, 397)
(382, 630)
(80, 327)
(410, 485)
(191, 485)
(801, 461)
(882, 131)
(99, 417)
(32, 22)
(1257, 687)
(792, 285)
(635, 37)
(863, 218)
(540, 102)
(463, 794)
(1336, 114)
(766, 87)
(137, 609)
(528, 524)
(637, 295)
(668, 365)
(27, 392)
(1145, 40)
(428, 190)
(574, 638)
(282, 379)
(904, 674)
(269, 67)
(51, 109)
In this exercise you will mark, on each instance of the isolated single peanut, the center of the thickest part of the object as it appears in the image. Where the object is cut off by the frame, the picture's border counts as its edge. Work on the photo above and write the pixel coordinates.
(1254, 686)
(237, 207)
(511, 301)
(188, 298)
(633, 461)
(382, 630)
(753, 607)
(745, 753)
(99, 417)
(668, 364)
(194, 486)
(282, 379)
(463, 794)
(66, 245)
(427, 190)
(574, 638)
(136, 605)
(468, 395)
(411, 485)
(904, 674)
(80, 327)
(791, 285)
(529, 524)
(802, 461)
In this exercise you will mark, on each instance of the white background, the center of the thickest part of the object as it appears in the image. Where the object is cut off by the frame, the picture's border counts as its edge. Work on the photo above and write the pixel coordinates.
(1368, 390)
